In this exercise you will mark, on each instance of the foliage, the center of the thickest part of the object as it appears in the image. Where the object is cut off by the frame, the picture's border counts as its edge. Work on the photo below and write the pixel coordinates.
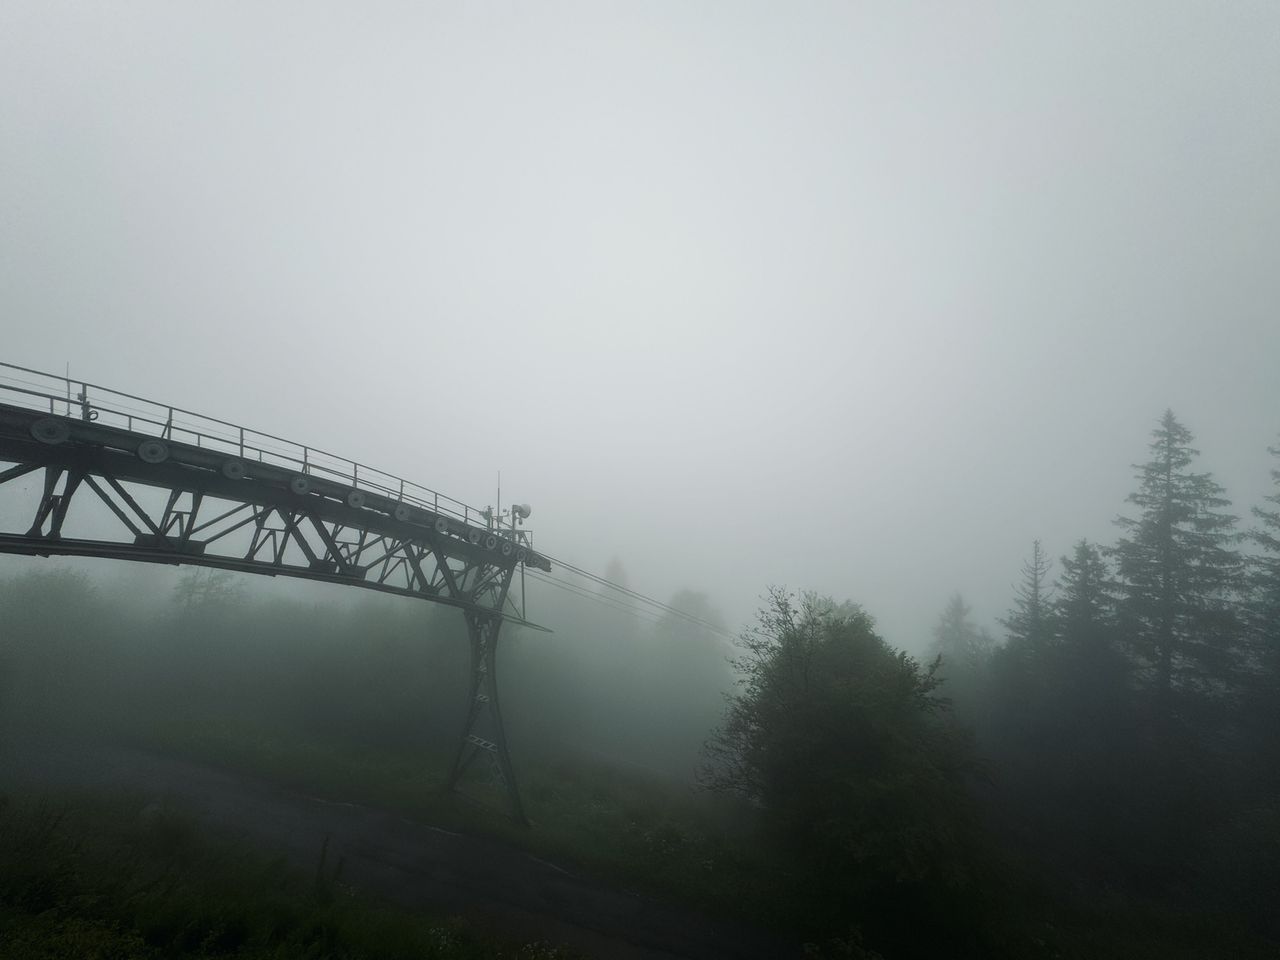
(1029, 623)
(1179, 577)
(961, 645)
(1264, 580)
(1085, 606)
(1131, 753)
(92, 878)
(1128, 726)
(847, 747)
(201, 591)
(963, 653)
(1060, 727)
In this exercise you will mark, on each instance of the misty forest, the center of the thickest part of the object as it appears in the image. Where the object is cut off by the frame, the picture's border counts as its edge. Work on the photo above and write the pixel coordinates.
(866, 424)
(1097, 777)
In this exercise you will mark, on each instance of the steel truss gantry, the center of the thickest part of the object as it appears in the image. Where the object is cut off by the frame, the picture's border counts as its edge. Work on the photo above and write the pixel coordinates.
(177, 494)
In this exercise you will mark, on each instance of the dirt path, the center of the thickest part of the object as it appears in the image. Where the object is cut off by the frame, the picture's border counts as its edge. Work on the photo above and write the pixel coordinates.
(498, 887)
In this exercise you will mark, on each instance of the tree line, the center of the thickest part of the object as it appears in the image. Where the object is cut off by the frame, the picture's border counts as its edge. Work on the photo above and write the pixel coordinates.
(1133, 708)
(1103, 779)
(1116, 752)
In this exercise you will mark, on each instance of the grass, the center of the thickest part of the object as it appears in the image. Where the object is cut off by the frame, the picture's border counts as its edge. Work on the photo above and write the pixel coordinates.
(628, 829)
(87, 877)
(82, 879)
(665, 839)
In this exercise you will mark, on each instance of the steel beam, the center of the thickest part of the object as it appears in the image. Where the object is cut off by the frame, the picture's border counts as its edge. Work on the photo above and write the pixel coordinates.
(224, 512)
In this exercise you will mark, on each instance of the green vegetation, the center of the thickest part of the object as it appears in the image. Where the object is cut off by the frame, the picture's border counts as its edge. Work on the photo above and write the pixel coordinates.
(848, 746)
(1127, 731)
(89, 878)
(1099, 782)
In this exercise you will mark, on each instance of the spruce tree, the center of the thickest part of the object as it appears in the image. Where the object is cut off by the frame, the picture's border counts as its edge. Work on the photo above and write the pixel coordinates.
(1262, 700)
(1015, 724)
(1084, 607)
(957, 640)
(1090, 668)
(1264, 577)
(1029, 622)
(1179, 577)
(965, 655)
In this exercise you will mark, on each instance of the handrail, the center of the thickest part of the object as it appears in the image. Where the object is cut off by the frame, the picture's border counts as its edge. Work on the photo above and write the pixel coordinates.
(176, 423)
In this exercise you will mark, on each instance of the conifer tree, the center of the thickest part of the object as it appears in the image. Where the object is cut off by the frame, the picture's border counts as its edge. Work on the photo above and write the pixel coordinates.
(1029, 622)
(965, 657)
(1263, 699)
(1179, 577)
(1264, 576)
(957, 640)
(1091, 669)
(1084, 606)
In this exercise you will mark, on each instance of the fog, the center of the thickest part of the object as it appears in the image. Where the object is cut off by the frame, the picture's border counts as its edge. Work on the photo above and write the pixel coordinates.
(853, 298)
(763, 308)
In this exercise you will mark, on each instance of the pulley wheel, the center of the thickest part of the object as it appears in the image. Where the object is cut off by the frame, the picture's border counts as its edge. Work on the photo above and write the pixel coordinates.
(233, 469)
(300, 484)
(402, 512)
(153, 451)
(441, 525)
(355, 499)
(50, 431)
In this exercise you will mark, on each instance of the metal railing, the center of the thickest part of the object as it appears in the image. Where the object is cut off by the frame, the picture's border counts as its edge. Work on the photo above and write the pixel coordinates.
(62, 396)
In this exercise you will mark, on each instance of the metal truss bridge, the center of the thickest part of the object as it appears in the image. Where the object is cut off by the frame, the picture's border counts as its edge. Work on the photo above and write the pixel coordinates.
(123, 477)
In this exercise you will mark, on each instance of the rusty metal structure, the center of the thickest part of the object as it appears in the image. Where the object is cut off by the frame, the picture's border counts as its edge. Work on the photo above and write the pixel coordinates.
(177, 487)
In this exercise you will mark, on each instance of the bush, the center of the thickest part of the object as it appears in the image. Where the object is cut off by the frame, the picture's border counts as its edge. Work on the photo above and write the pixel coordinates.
(852, 755)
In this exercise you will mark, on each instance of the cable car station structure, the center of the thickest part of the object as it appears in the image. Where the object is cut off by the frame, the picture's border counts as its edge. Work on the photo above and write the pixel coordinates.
(183, 488)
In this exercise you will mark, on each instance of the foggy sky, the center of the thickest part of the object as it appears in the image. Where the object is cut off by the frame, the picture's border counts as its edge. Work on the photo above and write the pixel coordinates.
(853, 297)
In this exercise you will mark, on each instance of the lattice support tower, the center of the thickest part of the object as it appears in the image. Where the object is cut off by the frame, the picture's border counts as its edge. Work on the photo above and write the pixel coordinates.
(483, 734)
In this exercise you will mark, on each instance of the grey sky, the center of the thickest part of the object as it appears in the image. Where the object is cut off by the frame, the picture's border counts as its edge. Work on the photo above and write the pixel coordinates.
(855, 297)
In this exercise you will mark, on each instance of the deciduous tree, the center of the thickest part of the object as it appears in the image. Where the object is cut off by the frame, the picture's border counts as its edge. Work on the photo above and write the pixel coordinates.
(847, 745)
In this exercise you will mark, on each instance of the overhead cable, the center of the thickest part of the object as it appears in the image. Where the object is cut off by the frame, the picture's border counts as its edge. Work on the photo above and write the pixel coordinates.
(638, 613)
(650, 601)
